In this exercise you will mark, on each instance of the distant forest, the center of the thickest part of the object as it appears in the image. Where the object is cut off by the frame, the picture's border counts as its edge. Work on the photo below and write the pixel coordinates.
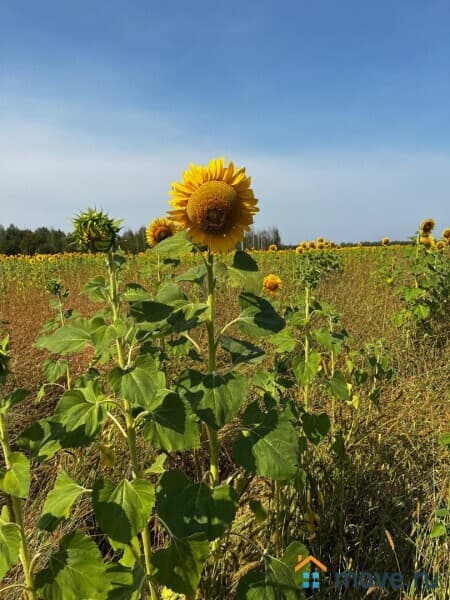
(50, 241)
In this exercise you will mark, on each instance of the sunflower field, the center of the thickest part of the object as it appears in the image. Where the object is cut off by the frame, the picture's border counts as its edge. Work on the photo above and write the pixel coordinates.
(194, 421)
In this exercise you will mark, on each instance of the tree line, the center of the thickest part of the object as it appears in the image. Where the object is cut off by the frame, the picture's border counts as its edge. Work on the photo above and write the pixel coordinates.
(43, 240)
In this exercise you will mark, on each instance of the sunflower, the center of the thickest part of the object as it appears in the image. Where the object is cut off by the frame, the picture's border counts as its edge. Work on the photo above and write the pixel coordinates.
(273, 248)
(427, 226)
(320, 240)
(272, 284)
(299, 250)
(446, 233)
(312, 245)
(440, 245)
(159, 230)
(385, 241)
(304, 245)
(215, 204)
(320, 245)
(427, 240)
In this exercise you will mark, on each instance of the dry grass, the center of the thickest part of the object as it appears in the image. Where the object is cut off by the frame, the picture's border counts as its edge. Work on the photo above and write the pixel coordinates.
(374, 507)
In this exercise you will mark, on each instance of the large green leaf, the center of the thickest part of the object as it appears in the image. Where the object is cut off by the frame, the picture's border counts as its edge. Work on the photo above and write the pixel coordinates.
(306, 371)
(42, 439)
(75, 571)
(339, 387)
(315, 426)
(123, 510)
(258, 317)
(125, 582)
(67, 339)
(241, 351)
(216, 399)
(55, 369)
(16, 480)
(138, 384)
(171, 424)
(173, 246)
(59, 501)
(189, 508)
(268, 447)
(195, 274)
(11, 399)
(244, 273)
(81, 412)
(9, 543)
(274, 582)
(180, 565)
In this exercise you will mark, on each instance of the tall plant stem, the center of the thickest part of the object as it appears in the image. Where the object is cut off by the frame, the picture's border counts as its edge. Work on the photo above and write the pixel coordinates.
(17, 515)
(212, 432)
(307, 311)
(129, 420)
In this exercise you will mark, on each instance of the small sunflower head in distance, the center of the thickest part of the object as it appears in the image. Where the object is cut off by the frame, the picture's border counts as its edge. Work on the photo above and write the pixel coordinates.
(272, 284)
(159, 230)
(273, 248)
(427, 240)
(299, 250)
(215, 204)
(94, 231)
(446, 233)
(427, 226)
(440, 245)
(385, 241)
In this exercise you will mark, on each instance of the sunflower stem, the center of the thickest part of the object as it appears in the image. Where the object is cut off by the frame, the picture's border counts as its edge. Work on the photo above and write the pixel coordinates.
(212, 347)
(129, 419)
(307, 314)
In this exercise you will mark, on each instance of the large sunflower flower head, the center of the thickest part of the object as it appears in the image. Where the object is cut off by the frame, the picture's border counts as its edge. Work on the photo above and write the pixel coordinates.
(215, 204)
(272, 284)
(159, 230)
(427, 226)
(446, 233)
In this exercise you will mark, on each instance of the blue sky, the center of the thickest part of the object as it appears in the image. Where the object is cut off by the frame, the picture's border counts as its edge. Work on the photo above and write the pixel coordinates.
(339, 109)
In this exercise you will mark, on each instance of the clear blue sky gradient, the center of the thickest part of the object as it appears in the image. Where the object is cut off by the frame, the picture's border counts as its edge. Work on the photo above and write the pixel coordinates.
(339, 109)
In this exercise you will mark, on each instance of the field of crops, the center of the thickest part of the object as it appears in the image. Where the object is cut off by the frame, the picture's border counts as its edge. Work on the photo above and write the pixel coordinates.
(187, 423)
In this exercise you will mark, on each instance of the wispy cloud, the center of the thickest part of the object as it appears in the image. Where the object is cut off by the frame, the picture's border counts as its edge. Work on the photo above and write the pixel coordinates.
(47, 174)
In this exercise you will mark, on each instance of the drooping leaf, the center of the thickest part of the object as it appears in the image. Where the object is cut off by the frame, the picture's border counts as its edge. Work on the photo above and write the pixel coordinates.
(339, 388)
(123, 510)
(9, 543)
(55, 369)
(274, 581)
(195, 274)
(171, 425)
(59, 501)
(67, 339)
(16, 480)
(216, 399)
(140, 383)
(125, 583)
(75, 571)
(244, 273)
(11, 399)
(81, 413)
(173, 246)
(315, 426)
(189, 508)
(241, 350)
(268, 447)
(305, 371)
(258, 317)
(180, 565)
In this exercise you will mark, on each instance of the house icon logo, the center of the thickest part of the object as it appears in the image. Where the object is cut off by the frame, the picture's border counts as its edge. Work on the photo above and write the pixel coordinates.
(311, 578)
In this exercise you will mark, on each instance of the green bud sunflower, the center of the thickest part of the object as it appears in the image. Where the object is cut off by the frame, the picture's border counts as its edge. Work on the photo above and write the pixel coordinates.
(95, 231)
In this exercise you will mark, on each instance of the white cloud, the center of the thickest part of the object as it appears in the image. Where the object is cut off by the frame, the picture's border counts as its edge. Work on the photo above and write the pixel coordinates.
(47, 174)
